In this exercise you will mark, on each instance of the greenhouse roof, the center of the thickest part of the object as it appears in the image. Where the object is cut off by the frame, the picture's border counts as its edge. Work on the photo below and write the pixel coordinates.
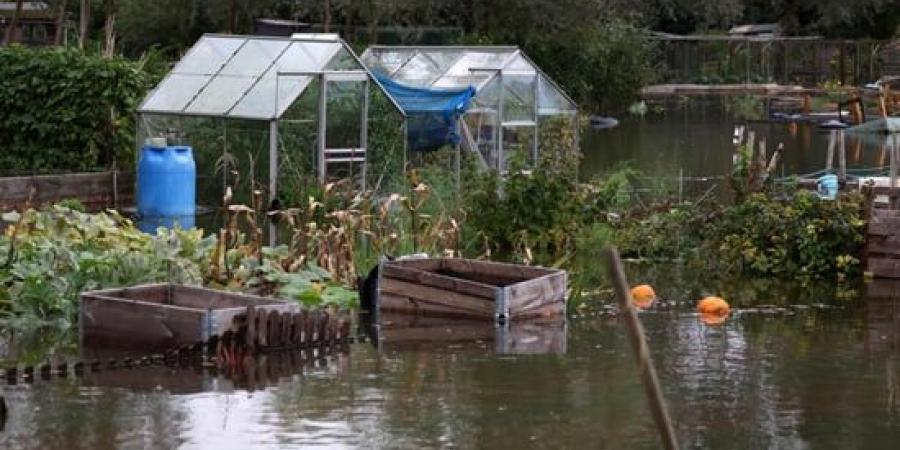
(457, 67)
(249, 77)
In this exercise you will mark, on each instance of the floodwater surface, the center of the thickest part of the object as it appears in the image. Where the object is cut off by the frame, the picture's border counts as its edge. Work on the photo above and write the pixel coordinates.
(693, 137)
(813, 372)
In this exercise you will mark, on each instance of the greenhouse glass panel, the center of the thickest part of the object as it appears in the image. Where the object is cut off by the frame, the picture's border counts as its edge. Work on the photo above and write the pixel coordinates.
(418, 71)
(261, 101)
(254, 58)
(518, 97)
(388, 61)
(518, 147)
(174, 93)
(208, 55)
(551, 100)
(479, 60)
(220, 95)
(319, 53)
(298, 59)
(444, 59)
(520, 64)
(456, 82)
(343, 60)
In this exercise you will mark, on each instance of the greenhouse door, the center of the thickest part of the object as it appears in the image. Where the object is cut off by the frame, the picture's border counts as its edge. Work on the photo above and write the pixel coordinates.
(518, 138)
(343, 113)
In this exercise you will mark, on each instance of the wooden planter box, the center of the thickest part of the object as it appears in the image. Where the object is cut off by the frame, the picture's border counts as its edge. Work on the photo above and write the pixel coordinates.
(95, 190)
(161, 316)
(470, 289)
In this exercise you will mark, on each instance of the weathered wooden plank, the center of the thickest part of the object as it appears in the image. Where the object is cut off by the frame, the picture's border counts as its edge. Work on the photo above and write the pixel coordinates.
(197, 297)
(262, 328)
(466, 266)
(95, 190)
(887, 245)
(440, 281)
(122, 322)
(274, 328)
(883, 226)
(401, 304)
(437, 296)
(884, 267)
(429, 264)
(883, 289)
(537, 293)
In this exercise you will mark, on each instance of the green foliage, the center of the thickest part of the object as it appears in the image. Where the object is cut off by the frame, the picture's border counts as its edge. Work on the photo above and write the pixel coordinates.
(63, 110)
(804, 236)
(53, 255)
(529, 215)
(48, 257)
(601, 65)
(797, 236)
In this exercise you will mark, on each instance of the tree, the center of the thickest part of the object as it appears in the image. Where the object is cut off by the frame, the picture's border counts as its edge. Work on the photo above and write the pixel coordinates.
(60, 23)
(109, 28)
(11, 35)
(84, 22)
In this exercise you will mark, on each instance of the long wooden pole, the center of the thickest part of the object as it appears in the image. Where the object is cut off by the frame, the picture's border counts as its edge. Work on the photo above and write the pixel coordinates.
(642, 351)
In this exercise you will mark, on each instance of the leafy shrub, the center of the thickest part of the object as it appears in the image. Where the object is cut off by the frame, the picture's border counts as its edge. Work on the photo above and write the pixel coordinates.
(61, 110)
(802, 236)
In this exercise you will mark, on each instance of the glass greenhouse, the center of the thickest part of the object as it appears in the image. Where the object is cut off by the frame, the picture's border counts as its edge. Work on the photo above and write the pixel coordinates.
(514, 99)
(275, 114)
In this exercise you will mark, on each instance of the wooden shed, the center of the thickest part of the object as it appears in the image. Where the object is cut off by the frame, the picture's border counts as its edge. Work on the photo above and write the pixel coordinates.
(482, 290)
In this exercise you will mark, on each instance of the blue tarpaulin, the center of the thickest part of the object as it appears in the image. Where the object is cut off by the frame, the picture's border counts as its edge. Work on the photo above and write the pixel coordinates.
(431, 113)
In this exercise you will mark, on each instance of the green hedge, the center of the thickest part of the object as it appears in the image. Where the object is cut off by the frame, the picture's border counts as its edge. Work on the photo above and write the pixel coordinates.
(62, 110)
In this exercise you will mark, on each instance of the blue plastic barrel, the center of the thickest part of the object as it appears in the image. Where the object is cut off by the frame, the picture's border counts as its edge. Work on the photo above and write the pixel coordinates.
(167, 187)
(827, 186)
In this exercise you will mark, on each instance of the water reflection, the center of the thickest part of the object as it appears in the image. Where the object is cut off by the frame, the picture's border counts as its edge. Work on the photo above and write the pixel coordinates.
(404, 332)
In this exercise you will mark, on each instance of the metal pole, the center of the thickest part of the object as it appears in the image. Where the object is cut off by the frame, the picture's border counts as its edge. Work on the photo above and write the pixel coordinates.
(842, 157)
(457, 157)
(500, 115)
(323, 121)
(364, 133)
(642, 351)
(832, 141)
(534, 104)
(273, 177)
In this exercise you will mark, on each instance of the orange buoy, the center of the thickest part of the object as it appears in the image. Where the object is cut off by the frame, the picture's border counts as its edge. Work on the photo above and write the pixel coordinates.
(713, 310)
(642, 296)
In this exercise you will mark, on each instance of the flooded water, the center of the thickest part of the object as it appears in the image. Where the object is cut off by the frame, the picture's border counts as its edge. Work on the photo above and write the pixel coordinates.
(807, 371)
(795, 367)
(693, 137)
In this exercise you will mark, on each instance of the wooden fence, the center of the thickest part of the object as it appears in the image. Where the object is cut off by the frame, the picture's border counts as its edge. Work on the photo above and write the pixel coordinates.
(96, 190)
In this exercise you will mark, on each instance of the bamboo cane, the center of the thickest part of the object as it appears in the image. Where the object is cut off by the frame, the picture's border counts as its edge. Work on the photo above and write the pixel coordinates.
(642, 351)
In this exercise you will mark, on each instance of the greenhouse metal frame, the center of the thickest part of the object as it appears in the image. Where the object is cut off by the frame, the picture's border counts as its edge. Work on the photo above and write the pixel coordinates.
(512, 95)
(227, 81)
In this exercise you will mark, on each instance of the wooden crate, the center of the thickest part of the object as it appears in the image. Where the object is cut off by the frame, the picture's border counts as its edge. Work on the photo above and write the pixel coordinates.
(460, 288)
(160, 316)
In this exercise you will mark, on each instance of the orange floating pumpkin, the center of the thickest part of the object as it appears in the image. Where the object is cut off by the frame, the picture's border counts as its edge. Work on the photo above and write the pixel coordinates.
(642, 296)
(713, 310)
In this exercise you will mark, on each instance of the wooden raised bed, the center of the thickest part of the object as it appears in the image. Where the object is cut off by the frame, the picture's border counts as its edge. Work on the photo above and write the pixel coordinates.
(95, 190)
(470, 289)
(161, 316)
